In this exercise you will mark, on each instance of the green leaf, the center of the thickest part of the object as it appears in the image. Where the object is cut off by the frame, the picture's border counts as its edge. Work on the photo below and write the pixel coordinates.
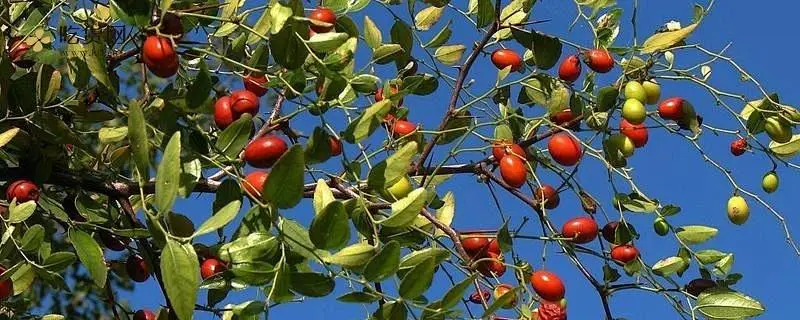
(353, 256)
(788, 149)
(499, 303)
(450, 54)
(486, 13)
(383, 264)
(516, 12)
(406, 210)
(724, 265)
(414, 258)
(695, 234)
(21, 212)
(386, 173)
(284, 185)
(322, 196)
(59, 261)
(168, 175)
(91, 255)
(546, 50)
(446, 213)
(709, 256)
(137, 134)
(326, 42)
(504, 238)
(235, 137)
(311, 284)
(441, 37)
(386, 53)
(219, 219)
(112, 135)
(330, 229)
(132, 12)
(665, 40)
(359, 297)
(260, 28)
(363, 126)
(95, 58)
(7, 136)
(197, 92)
(456, 127)
(668, 266)
(453, 296)
(296, 236)
(418, 280)
(726, 304)
(318, 148)
(249, 248)
(33, 238)
(181, 275)
(372, 34)
(427, 17)
(365, 83)
(287, 49)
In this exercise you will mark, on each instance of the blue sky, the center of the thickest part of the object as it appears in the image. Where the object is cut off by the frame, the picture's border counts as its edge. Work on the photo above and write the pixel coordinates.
(668, 168)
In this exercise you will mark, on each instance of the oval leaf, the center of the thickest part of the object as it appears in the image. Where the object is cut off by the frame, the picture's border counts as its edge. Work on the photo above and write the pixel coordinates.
(284, 185)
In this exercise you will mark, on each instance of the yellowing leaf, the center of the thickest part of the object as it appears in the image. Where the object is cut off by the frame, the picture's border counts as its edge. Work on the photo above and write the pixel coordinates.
(665, 40)
(449, 54)
(426, 18)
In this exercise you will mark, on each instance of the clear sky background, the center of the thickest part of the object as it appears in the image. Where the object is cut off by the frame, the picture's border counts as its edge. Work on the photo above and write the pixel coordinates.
(668, 168)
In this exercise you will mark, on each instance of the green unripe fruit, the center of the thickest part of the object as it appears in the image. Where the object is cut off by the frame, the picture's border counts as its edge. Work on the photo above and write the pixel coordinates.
(623, 144)
(661, 226)
(400, 189)
(793, 114)
(778, 130)
(633, 110)
(738, 211)
(653, 91)
(635, 90)
(770, 182)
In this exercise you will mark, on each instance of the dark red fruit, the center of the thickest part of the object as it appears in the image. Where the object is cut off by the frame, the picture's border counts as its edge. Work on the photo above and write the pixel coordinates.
(254, 182)
(264, 151)
(16, 52)
(244, 101)
(137, 268)
(564, 116)
(336, 146)
(671, 109)
(697, 286)
(323, 14)
(599, 60)
(6, 286)
(738, 147)
(570, 69)
(144, 315)
(549, 310)
(502, 149)
(513, 171)
(474, 246)
(547, 194)
(113, 242)
(403, 128)
(580, 229)
(212, 267)
(636, 132)
(547, 285)
(564, 149)
(494, 246)
(256, 84)
(171, 25)
(494, 265)
(624, 253)
(475, 297)
(159, 56)
(223, 114)
(503, 58)
(23, 191)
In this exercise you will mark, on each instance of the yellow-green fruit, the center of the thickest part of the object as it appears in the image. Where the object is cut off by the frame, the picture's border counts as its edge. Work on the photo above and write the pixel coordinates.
(793, 114)
(777, 130)
(653, 91)
(633, 110)
(770, 182)
(738, 212)
(635, 90)
(623, 144)
(400, 189)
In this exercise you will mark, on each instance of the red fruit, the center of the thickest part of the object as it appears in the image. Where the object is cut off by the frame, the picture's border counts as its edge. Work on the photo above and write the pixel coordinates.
(474, 245)
(513, 171)
(255, 84)
(6, 286)
(624, 253)
(403, 128)
(244, 101)
(547, 194)
(494, 246)
(738, 147)
(212, 267)
(636, 132)
(564, 116)
(336, 146)
(570, 69)
(223, 115)
(23, 190)
(137, 268)
(599, 60)
(264, 151)
(697, 286)
(17, 51)
(392, 88)
(547, 285)
(171, 25)
(475, 297)
(495, 265)
(671, 109)
(549, 310)
(564, 149)
(581, 229)
(503, 58)
(159, 56)
(323, 14)
(254, 182)
(502, 149)
(113, 242)
(144, 315)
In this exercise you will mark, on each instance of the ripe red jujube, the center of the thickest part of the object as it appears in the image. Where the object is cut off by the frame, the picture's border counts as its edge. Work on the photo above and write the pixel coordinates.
(6, 286)
(564, 149)
(502, 149)
(738, 147)
(570, 69)
(636, 132)
(513, 171)
(255, 84)
(144, 315)
(547, 194)
(671, 109)
(212, 267)
(403, 128)
(580, 229)
(23, 190)
(244, 101)
(599, 60)
(503, 58)
(254, 182)
(264, 151)
(624, 253)
(547, 285)
(137, 268)
(159, 56)
(323, 14)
